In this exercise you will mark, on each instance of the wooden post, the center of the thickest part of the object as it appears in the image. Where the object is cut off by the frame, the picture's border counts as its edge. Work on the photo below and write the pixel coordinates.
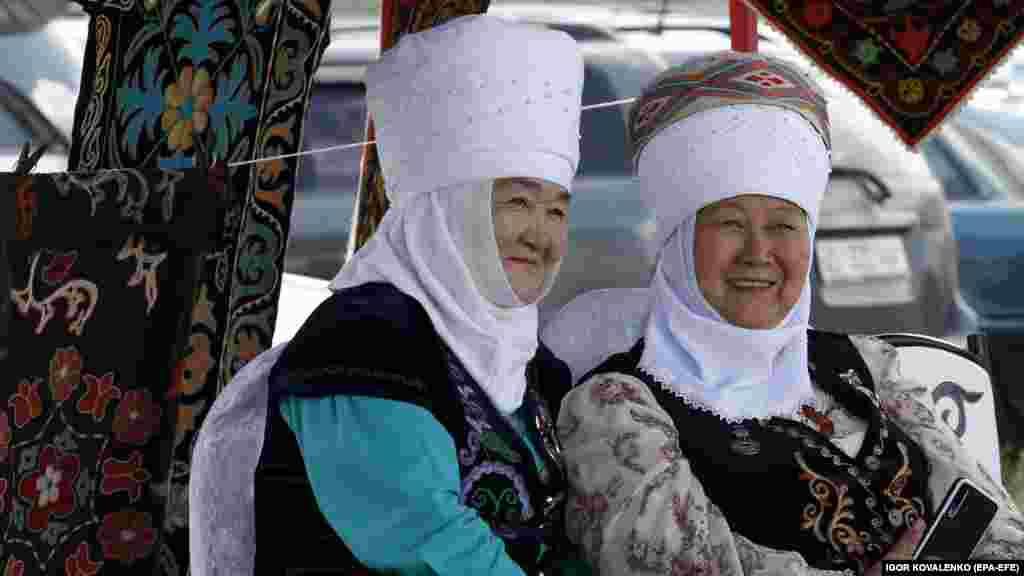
(743, 25)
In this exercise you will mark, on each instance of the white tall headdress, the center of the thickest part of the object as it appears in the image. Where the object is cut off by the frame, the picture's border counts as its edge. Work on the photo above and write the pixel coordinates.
(454, 108)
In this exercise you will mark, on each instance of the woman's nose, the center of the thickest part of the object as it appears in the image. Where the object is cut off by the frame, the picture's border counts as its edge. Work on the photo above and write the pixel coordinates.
(756, 247)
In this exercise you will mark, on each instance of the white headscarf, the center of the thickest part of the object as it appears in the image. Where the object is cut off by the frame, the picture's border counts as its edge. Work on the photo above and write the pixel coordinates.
(733, 372)
(456, 107)
(440, 249)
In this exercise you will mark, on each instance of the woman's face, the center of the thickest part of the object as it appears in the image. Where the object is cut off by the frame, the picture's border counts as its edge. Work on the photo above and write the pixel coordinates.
(752, 255)
(531, 225)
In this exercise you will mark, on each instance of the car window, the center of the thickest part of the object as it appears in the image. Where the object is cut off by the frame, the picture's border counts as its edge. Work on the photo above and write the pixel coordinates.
(44, 72)
(978, 165)
(337, 115)
(955, 184)
(603, 147)
(611, 72)
(1008, 126)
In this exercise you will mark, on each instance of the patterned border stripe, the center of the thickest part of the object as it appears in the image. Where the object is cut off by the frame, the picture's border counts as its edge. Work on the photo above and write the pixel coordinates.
(913, 63)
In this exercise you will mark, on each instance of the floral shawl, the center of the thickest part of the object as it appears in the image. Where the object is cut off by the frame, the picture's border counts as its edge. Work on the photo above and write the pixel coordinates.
(637, 508)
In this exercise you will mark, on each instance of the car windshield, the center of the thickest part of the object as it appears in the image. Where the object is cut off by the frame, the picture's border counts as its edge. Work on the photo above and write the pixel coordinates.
(337, 115)
(611, 72)
(327, 181)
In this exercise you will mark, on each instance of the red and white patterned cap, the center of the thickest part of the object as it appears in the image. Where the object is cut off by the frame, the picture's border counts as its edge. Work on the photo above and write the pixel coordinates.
(729, 124)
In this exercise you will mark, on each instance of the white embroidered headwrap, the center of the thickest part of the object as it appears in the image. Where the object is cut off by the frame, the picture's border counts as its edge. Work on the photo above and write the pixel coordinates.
(736, 373)
(454, 108)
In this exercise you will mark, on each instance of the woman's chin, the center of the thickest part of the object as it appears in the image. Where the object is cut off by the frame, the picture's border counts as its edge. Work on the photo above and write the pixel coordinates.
(528, 296)
(754, 319)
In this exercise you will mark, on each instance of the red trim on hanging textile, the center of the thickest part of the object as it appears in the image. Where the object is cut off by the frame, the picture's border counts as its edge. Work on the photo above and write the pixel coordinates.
(743, 26)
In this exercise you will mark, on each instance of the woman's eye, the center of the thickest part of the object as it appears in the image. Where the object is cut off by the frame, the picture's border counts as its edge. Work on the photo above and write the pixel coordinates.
(558, 213)
(732, 224)
(519, 202)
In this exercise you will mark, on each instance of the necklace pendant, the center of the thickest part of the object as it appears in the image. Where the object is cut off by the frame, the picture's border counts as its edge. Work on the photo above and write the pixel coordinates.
(742, 444)
(851, 378)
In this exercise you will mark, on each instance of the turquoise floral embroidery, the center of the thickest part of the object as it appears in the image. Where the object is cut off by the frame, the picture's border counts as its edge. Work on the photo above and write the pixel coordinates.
(141, 101)
(231, 108)
(201, 29)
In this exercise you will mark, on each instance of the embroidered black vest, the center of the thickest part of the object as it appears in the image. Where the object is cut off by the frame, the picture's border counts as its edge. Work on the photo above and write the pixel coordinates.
(784, 485)
(373, 340)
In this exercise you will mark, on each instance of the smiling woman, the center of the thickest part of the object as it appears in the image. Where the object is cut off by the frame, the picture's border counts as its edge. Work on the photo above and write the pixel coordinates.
(729, 387)
(752, 255)
(531, 228)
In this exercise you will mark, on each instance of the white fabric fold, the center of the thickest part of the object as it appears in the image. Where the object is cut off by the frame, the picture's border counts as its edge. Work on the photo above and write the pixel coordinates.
(733, 372)
(439, 248)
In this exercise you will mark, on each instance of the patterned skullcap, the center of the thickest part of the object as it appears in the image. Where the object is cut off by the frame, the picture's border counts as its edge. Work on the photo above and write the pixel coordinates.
(725, 79)
(728, 124)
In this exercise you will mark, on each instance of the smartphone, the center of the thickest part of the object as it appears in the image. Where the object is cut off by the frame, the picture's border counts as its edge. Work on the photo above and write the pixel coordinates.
(961, 521)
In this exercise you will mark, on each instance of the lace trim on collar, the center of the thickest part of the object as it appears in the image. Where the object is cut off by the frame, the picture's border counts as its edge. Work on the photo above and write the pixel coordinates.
(665, 379)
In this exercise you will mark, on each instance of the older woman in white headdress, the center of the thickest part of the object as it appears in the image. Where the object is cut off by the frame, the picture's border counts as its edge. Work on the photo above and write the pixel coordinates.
(732, 438)
(418, 393)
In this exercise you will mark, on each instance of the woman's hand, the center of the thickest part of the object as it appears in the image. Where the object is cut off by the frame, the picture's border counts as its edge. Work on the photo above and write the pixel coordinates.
(903, 549)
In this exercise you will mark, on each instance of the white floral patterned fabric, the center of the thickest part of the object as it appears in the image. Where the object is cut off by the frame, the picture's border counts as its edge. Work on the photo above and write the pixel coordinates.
(637, 508)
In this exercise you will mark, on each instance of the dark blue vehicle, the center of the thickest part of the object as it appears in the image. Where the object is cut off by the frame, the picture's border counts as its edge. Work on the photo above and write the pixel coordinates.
(983, 177)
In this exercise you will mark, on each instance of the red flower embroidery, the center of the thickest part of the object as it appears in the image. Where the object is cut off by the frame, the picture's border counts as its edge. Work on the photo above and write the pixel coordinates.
(682, 566)
(592, 506)
(26, 403)
(50, 488)
(5, 437)
(680, 510)
(649, 112)
(99, 391)
(59, 268)
(138, 418)
(78, 564)
(65, 373)
(670, 452)
(914, 39)
(898, 409)
(25, 207)
(3, 496)
(818, 13)
(855, 549)
(14, 567)
(822, 422)
(611, 391)
(127, 536)
(128, 476)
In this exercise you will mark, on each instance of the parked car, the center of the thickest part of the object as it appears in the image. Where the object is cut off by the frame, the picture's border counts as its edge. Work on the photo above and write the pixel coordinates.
(984, 183)
(886, 258)
(36, 87)
(1005, 120)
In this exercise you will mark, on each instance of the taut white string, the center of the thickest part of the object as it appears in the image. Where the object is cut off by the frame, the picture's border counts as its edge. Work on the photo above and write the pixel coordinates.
(368, 142)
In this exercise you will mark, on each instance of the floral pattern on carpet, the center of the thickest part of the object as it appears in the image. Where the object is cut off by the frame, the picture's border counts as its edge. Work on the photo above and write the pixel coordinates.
(165, 83)
(913, 62)
(103, 267)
